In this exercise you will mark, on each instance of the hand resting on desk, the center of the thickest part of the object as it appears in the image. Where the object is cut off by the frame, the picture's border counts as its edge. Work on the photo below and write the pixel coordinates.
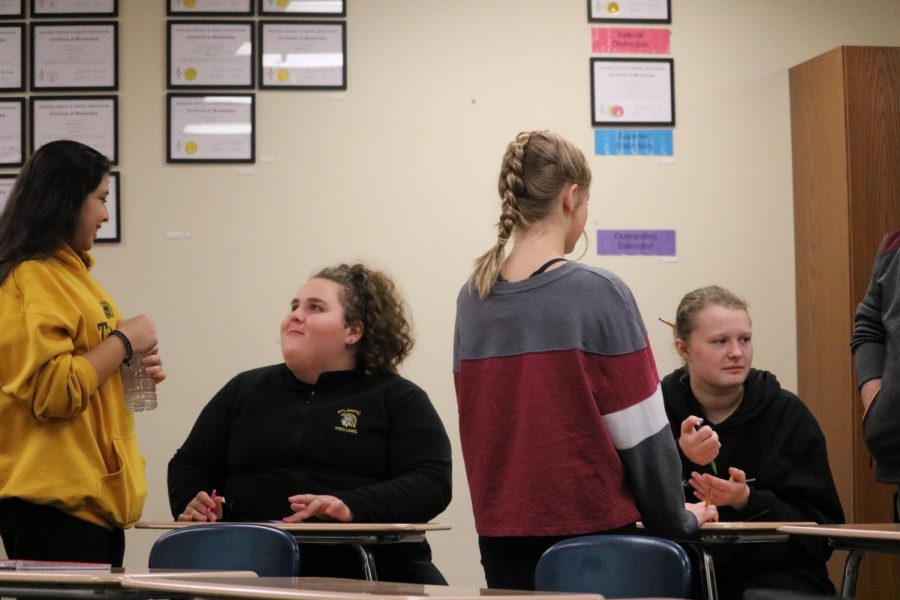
(307, 506)
(702, 512)
(203, 508)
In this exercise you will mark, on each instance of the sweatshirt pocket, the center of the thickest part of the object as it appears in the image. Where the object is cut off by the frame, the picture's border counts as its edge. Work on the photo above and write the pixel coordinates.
(121, 494)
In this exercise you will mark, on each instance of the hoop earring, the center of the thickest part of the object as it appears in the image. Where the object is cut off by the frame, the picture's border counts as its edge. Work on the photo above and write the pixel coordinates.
(586, 244)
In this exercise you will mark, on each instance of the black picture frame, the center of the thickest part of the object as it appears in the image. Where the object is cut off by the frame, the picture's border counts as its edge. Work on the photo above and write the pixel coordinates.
(7, 181)
(20, 87)
(37, 77)
(600, 111)
(172, 10)
(20, 160)
(36, 14)
(265, 8)
(111, 231)
(75, 102)
(19, 14)
(208, 155)
(171, 77)
(270, 73)
(594, 14)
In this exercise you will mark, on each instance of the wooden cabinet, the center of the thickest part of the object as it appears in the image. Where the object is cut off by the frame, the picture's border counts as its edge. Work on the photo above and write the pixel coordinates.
(845, 130)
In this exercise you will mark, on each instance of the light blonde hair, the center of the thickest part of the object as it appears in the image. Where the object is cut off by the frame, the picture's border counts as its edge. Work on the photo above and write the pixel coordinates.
(535, 167)
(694, 302)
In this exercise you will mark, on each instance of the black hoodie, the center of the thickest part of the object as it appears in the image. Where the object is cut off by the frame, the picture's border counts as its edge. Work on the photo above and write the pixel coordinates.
(775, 440)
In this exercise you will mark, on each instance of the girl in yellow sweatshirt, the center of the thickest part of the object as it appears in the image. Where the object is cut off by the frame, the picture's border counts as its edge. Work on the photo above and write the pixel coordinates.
(71, 472)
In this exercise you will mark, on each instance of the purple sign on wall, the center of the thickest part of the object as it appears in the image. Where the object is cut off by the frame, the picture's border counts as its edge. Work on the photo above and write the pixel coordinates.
(647, 242)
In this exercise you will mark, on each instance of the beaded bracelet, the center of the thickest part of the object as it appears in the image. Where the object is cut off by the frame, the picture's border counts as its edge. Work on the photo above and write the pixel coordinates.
(129, 351)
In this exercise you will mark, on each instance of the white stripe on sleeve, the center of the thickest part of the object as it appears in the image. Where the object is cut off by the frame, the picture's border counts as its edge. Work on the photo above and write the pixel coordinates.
(632, 425)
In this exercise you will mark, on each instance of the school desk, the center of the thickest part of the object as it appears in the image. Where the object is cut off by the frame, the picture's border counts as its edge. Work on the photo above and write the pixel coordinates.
(858, 539)
(83, 583)
(361, 536)
(312, 588)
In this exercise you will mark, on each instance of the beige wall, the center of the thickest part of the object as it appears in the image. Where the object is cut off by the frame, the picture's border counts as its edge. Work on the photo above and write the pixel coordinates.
(400, 171)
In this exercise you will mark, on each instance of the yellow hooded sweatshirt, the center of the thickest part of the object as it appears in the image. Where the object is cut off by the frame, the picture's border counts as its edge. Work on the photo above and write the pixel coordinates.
(65, 440)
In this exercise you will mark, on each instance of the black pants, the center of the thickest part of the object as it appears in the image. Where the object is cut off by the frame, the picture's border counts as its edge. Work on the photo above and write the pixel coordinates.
(38, 532)
(509, 562)
(401, 562)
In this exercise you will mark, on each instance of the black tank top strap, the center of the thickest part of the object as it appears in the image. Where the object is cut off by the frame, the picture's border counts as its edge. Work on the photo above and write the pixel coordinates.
(547, 265)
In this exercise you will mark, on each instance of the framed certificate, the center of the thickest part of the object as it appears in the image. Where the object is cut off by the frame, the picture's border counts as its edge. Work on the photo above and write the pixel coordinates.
(632, 91)
(630, 11)
(303, 8)
(6, 186)
(12, 132)
(12, 9)
(207, 128)
(303, 55)
(210, 55)
(12, 57)
(111, 231)
(74, 8)
(222, 8)
(91, 120)
(74, 56)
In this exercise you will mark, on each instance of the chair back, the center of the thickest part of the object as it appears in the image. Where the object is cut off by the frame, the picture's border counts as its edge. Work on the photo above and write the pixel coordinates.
(268, 551)
(617, 566)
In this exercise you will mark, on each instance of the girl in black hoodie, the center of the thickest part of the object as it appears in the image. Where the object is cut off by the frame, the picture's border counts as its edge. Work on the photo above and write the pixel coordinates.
(748, 446)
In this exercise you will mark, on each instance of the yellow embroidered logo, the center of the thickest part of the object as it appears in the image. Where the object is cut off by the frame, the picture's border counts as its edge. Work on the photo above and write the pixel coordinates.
(348, 420)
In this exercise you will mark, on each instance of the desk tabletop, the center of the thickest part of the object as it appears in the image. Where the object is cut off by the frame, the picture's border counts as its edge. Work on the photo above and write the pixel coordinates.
(748, 526)
(312, 588)
(349, 528)
(870, 531)
(100, 577)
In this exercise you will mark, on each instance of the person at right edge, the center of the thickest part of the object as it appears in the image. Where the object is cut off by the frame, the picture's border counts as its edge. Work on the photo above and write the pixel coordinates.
(561, 417)
(876, 352)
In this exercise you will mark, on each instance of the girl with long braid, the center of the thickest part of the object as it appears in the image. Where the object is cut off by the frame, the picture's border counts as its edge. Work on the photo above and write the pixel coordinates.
(561, 418)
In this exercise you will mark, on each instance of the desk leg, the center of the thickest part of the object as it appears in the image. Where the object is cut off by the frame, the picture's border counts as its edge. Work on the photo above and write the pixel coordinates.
(851, 570)
(707, 573)
(368, 562)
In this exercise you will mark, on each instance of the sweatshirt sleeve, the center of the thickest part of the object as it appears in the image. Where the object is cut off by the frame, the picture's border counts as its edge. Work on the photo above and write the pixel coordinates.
(201, 462)
(640, 433)
(419, 486)
(869, 335)
(39, 367)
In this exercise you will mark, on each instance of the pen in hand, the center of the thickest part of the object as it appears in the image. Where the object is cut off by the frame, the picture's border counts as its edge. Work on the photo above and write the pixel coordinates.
(712, 463)
(211, 512)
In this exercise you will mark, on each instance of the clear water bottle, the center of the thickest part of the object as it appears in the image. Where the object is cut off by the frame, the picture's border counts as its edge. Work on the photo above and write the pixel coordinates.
(140, 389)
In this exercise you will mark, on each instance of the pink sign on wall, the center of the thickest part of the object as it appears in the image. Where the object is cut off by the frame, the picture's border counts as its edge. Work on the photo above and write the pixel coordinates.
(629, 40)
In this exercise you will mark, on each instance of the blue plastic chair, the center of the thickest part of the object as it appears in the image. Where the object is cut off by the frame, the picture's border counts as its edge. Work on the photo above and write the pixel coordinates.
(617, 566)
(268, 551)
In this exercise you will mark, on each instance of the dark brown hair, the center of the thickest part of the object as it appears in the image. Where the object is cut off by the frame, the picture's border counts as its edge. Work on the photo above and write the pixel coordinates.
(43, 210)
(370, 297)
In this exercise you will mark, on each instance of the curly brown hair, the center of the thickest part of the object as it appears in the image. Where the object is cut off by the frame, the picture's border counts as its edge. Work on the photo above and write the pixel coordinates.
(370, 297)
